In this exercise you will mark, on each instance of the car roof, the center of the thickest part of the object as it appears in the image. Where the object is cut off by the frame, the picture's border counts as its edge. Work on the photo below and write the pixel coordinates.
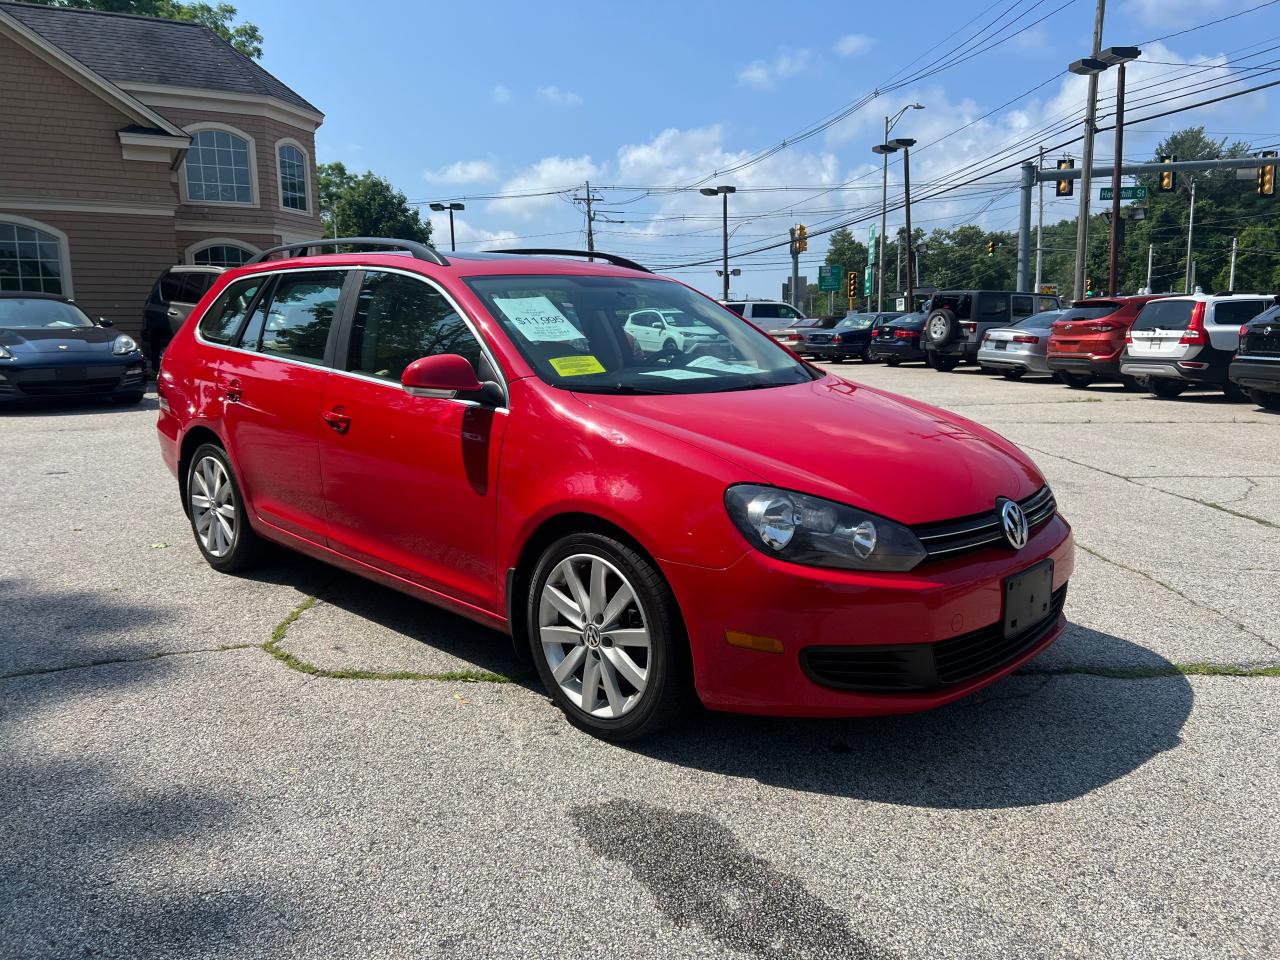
(459, 265)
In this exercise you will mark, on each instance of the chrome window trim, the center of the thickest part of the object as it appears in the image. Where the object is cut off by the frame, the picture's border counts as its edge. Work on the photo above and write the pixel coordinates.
(471, 326)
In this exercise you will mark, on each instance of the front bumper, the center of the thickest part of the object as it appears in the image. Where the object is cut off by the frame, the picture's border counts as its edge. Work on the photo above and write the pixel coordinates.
(804, 608)
(1256, 374)
(1010, 359)
(73, 378)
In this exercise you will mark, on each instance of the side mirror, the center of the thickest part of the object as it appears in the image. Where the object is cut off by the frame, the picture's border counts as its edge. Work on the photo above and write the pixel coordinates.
(104, 322)
(446, 375)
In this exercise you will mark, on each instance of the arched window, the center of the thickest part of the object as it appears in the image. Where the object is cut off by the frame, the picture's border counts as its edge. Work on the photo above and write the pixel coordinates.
(219, 168)
(32, 260)
(221, 255)
(293, 177)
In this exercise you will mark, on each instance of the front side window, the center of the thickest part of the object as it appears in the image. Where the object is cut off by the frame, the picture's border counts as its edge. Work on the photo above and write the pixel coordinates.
(398, 320)
(581, 333)
(222, 321)
(293, 177)
(738, 308)
(218, 168)
(222, 255)
(302, 309)
(1049, 303)
(30, 260)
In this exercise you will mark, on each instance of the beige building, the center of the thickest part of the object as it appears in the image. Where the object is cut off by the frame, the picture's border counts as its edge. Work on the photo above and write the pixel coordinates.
(129, 144)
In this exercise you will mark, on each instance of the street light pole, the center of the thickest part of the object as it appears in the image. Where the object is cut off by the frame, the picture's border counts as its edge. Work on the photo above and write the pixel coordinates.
(1090, 113)
(889, 124)
(906, 200)
(440, 208)
(724, 190)
(1117, 56)
(1040, 223)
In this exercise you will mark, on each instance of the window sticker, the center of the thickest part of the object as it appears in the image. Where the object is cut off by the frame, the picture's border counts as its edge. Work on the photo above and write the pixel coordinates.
(677, 373)
(538, 319)
(722, 366)
(576, 366)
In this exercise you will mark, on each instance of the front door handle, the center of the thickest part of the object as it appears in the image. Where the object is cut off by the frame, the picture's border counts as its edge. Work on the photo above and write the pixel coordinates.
(340, 422)
(233, 391)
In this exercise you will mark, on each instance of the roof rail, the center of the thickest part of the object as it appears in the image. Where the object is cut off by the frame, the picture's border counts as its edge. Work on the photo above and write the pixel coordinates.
(613, 258)
(421, 251)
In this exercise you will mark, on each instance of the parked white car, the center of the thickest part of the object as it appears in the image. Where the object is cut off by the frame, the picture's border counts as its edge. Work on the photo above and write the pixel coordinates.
(768, 315)
(656, 331)
(1180, 342)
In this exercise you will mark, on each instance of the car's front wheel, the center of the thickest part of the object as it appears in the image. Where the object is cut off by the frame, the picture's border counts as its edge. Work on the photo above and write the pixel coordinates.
(217, 511)
(1267, 401)
(1166, 389)
(1077, 381)
(607, 638)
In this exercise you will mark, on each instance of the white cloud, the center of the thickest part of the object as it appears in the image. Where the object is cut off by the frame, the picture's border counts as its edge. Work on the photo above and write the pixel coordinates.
(462, 172)
(548, 174)
(765, 74)
(500, 94)
(557, 97)
(853, 44)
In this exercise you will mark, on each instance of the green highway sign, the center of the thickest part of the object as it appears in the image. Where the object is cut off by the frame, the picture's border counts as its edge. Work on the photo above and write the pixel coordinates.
(871, 245)
(1126, 193)
(866, 282)
(830, 277)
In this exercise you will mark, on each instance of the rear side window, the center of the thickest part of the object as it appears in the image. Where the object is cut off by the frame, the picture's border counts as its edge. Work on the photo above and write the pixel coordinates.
(301, 313)
(194, 286)
(398, 320)
(1165, 315)
(222, 320)
(766, 311)
(1022, 306)
(992, 306)
(737, 308)
(1235, 312)
(169, 287)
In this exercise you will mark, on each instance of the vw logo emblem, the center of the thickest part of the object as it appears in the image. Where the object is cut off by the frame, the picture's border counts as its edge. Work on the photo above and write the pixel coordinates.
(1014, 522)
(591, 636)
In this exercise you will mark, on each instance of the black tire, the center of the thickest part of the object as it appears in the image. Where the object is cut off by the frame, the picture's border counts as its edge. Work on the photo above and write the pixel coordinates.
(1166, 389)
(1134, 384)
(837, 359)
(1235, 393)
(941, 327)
(156, 345)
(669, 346)
(865, 357)
(1013, 373)
(940, 363)
(668, 691)
(125, 399)
(892, 361)
(1076, 381)
(1267, 401)
(246, 546)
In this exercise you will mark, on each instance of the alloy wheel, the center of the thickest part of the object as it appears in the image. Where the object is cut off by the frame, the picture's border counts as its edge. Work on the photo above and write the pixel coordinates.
(594, 636)
(213, 506)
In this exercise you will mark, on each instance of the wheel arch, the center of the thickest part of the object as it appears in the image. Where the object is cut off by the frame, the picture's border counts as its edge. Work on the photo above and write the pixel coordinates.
(191, 441)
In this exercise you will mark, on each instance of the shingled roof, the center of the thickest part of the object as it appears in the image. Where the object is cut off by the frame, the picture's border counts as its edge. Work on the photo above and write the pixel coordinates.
(126, 49)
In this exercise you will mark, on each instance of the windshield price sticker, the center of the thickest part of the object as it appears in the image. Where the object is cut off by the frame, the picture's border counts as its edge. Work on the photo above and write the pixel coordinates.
(575, 366)
(538, 319)
(722, 366)
(676, 373)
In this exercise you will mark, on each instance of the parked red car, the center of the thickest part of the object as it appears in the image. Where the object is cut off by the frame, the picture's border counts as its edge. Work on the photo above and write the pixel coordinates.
(480, 432)
(1088, 338)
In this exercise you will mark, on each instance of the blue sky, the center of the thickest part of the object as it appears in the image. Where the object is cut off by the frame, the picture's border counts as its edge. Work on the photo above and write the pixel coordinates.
(475, 100)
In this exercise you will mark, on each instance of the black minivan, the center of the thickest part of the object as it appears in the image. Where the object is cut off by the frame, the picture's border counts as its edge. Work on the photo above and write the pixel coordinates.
(955, 321)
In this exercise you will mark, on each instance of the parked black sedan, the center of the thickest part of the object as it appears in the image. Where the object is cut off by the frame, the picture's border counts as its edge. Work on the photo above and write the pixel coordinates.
(851, 337)
(1255, 369)
(899, 340)
(50, 348)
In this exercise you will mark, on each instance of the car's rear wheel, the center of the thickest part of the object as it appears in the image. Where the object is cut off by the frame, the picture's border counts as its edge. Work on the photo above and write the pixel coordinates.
(217, 511)
(1234, 393)
(941, 363)
(1134, 384)
(1166, 389)
(607, 638)
(1013, 373)
(1076, 381)
(892, 361)
(1268, 401)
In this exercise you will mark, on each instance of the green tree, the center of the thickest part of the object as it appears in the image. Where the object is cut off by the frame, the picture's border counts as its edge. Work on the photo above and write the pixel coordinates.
(220, 18)
(366, 205)
(846, 251)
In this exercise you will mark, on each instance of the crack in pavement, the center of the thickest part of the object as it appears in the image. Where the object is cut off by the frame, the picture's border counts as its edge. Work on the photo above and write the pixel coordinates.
(108, 661)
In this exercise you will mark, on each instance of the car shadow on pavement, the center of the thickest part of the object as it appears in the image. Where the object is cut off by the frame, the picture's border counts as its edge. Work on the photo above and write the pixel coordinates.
(1032, 738)
(74, 407)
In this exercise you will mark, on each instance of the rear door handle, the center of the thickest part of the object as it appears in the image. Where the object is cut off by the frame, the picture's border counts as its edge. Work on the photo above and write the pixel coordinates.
(233, 391)
(340, 422)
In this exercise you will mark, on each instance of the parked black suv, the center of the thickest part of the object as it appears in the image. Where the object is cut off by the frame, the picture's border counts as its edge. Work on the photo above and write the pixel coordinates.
(955, 321)
(172, 297)
(1255, 369)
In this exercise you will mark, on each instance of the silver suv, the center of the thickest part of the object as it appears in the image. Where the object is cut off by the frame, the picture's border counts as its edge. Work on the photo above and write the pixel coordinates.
(768, 315)
(1180, 342)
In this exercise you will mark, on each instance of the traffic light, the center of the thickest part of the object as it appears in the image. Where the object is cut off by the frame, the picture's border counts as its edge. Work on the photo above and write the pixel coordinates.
(1065, 188)
(1168, 178)
(851, 287)
(1088, 287)
(1267, 175)
(802, 238)
(991, 247)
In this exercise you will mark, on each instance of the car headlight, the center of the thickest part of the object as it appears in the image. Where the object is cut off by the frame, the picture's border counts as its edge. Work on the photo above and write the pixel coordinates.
(820, 533)
(124, 344)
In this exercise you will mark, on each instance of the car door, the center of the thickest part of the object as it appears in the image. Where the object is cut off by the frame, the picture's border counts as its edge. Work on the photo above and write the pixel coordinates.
(271, 387)
(409, 481)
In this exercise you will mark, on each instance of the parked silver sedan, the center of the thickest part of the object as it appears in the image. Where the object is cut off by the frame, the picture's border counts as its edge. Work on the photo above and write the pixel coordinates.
(1019, 348)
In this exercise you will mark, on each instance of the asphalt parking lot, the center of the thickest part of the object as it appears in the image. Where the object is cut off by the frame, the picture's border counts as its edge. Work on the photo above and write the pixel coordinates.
(298, 763)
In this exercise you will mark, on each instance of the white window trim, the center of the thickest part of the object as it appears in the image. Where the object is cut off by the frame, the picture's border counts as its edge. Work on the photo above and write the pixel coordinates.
(190, 255)
(64, 247)
(253, 168)
(306, 169)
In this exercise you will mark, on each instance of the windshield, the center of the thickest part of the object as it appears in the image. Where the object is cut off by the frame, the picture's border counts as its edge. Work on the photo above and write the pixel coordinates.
(1165, 315)
(17, 313)
(857, 321)
(676, 319)
(1039, 321)
(596, 334)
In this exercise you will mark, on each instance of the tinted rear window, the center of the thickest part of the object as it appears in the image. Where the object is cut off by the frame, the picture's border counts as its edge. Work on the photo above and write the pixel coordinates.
(765, 311)
(1091, 312)
(1165, 314)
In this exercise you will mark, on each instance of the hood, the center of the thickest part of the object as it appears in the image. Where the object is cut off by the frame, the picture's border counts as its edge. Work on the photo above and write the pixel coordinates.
(54, 340)
(886, 454)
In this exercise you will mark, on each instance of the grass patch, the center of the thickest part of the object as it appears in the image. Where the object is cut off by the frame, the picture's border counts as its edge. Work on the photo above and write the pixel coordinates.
(293, 662)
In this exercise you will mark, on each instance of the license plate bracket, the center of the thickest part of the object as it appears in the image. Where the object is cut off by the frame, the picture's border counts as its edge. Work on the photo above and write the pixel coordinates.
(1027, 596)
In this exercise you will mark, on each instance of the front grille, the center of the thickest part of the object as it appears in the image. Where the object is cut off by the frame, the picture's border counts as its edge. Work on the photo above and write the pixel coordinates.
(69, 388)
(984, 529)
(908, 667)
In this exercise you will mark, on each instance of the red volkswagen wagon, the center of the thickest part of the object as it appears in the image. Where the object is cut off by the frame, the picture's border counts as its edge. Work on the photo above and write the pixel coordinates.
(718, 520)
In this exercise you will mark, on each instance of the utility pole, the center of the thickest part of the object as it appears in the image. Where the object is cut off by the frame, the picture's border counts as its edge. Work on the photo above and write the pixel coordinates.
(1151, 252)
(1040, 223)
(1090, 113)
(906, 202)
(884, 216)
(795, 270)
(1231, 282)
(1191, 226)
(588, 200)
(1113, 274)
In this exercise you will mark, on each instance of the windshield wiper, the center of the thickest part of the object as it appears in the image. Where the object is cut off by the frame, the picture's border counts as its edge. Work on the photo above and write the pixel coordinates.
(620, 388)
